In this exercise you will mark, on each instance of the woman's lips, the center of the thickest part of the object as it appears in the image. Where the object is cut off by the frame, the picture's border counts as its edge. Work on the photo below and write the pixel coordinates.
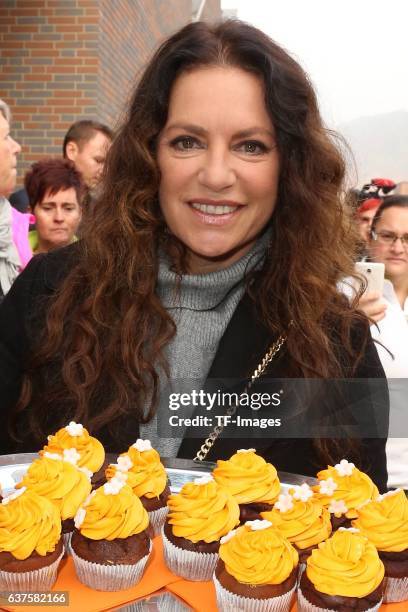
(214, 213)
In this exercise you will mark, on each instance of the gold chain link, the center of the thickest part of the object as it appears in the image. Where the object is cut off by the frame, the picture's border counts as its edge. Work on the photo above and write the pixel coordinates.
(259, 370)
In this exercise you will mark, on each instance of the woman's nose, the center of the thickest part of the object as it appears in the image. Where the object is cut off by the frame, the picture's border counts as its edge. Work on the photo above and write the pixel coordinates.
(217, 172)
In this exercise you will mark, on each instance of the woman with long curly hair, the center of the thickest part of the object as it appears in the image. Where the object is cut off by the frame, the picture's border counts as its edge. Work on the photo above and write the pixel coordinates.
(214, 253)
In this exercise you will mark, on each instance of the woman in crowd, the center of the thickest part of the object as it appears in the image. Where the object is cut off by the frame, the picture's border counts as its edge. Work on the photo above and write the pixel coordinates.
(389, 245)
(15, 251)
(55, 191)
(209, 256)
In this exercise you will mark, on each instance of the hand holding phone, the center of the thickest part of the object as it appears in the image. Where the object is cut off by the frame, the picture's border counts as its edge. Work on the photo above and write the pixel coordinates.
(374, 274)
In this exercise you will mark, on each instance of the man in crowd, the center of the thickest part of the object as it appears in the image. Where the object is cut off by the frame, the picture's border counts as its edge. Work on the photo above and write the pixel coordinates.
(15, 251)
(86, 144)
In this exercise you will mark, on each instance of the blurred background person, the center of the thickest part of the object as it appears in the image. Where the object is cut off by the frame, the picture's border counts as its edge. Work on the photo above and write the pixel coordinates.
(55, 190)
(367, 202)
(389, 245)
(14, 248)
(86, 144)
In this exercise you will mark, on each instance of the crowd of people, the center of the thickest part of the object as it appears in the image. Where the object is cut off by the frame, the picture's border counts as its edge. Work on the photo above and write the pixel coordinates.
(204, 252)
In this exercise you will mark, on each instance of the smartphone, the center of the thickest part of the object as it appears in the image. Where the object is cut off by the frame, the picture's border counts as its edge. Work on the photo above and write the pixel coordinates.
(374, 273)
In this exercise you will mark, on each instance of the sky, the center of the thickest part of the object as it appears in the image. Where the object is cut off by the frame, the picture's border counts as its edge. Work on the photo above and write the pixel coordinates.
(355, 51)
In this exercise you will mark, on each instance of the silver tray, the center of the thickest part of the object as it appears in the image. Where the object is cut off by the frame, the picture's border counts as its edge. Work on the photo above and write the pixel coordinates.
(180, 471)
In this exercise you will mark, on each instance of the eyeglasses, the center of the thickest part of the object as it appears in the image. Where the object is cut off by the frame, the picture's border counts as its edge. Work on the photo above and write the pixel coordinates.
(390, 237)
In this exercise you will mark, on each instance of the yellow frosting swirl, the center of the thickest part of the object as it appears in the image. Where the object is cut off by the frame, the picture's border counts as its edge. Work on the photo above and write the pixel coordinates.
(107, 515)
(28, 523)
(248, 477)
(258, 556)
(91, 451)
(353, 489)
(385, 521)
(60, 482)
(346, 564)
(147, 475)
(202, 512)
(305, 524)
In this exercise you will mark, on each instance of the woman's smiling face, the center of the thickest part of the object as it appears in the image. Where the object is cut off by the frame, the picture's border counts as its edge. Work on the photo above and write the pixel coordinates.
(219, 165)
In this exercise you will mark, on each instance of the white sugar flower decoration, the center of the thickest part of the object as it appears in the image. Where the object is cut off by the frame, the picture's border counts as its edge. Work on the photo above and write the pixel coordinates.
(14, 495)
(284, 503)
(303, 492)
(124, 463)
(75, 429)
(122, 476)
(246, 450)
(388, 494)
(79, 517)
(113, 486)
(344, 468)
(338, 507)
(203, 480)
(328, 487)
(228, 536)
(54, 456)
(351, 529)
(142, 445)
(258, 525)
(71, 455)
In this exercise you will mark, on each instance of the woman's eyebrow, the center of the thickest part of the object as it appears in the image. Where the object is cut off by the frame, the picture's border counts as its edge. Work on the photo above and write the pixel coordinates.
(197, 129)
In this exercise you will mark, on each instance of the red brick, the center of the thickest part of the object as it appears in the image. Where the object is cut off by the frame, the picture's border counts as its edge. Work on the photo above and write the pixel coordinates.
(35, 77)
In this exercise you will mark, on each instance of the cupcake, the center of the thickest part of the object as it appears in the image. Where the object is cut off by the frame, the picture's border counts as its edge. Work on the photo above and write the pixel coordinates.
(30, 542)
(343, 573)
(143, 471)
(385, 523)
(252, 481)
(342, 489)
(58, 479)
(110, 546)
(257, 569)
(198, 517)
(74, 435)
(301, 519)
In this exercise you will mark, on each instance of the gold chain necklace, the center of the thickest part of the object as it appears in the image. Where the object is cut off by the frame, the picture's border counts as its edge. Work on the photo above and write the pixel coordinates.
(259, 370)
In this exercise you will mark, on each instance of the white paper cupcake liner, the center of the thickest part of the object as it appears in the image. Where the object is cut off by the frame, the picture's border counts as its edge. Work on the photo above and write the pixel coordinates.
(37, 580)
(396, 589)
(232, 602)
(67, 542)
(188, 564)
(304, 605)
(109, 577)
(157, 518)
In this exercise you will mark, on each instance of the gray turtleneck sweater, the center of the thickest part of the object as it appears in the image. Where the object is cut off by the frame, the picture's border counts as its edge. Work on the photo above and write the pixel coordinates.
(201, 309)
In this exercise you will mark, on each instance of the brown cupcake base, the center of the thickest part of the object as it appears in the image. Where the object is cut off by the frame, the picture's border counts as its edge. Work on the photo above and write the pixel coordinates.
(252, 512)
(8, 563)
(255, 591)
(395, 563)
(198, 547)
(340, 603)
(155, 503)
(121, 551)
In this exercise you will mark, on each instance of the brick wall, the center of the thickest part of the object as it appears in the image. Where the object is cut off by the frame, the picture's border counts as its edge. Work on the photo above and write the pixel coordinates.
(63, 60)
(132, 29)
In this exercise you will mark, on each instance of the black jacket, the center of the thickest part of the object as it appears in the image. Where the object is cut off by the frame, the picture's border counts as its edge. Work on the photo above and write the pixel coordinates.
(363, 408)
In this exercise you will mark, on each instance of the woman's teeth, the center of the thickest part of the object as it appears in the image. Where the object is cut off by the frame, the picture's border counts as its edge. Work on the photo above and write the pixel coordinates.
(209, 209)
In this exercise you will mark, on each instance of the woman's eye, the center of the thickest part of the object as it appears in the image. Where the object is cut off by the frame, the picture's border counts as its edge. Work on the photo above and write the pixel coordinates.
(252, 147)
(185, 143)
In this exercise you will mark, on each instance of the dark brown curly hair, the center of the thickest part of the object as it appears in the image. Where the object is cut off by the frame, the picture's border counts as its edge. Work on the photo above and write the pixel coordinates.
(106, 324)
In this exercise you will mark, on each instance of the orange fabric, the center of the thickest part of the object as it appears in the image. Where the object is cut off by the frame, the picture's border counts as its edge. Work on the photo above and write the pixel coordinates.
(83, 598)
(199, 595)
